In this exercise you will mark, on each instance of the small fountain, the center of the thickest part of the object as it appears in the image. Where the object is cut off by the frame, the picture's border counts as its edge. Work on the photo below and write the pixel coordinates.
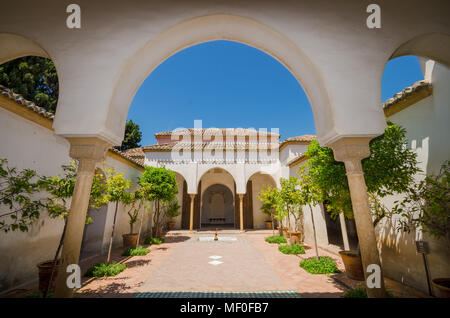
(216, 238)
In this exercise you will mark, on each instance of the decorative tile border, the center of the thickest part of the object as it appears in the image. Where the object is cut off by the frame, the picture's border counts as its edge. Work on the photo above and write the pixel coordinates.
(219, 294)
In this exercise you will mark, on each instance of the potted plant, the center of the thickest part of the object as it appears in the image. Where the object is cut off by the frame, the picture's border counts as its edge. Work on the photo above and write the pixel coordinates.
(290, 203)
(132, 201)
(162, 190)
(172, 211)
(269, 196)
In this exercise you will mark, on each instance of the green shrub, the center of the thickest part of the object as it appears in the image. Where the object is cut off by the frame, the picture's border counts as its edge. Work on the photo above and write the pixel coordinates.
(292, 249)
(361, 292)
(276, 239)
(153, 240)
(324, 265)
(103, 269)
(138, 251)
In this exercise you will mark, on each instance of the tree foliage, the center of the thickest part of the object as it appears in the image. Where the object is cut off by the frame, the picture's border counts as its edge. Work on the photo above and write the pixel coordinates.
(33, 77)
(132, 137)
(290, 200)
(269, 199)
(18, 191)
(163, 187)
(427, 205)
(389, 169)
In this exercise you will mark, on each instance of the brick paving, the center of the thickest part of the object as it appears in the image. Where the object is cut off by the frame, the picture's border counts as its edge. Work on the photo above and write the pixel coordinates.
(182, 264)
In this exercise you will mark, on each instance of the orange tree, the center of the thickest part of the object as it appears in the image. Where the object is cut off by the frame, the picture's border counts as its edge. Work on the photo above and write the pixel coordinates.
(388, 170)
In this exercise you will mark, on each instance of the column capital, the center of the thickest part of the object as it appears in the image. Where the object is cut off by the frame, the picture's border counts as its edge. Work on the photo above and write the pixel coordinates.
(351, 148)
(241, 195)
(88, 148)
(192, 195)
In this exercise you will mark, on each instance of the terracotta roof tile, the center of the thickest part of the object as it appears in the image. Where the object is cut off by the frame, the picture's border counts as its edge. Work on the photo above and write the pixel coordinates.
(407, 92)
(19, 99)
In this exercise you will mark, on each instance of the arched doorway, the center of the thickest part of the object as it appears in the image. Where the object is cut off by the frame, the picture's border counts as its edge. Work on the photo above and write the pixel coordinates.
(217, 207)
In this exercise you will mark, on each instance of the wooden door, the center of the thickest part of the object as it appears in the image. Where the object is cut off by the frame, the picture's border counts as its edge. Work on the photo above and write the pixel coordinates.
(185, 208)
(197, 204)
(237, 222)
(248, 207)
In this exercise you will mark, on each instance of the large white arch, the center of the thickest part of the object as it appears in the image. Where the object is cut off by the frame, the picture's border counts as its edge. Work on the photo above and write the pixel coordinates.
(221, 27)
(434, 46)
(13, 46)
(232, 170)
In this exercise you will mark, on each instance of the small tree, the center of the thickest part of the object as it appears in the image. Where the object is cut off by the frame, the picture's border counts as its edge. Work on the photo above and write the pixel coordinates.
(132, 137)
(309, 195)
(269, 199)
(163, 188)
(427, 205)
(18, 189)
(172, 209)
(61, 189)
(289, 200)
(114, 190)
(389, 169)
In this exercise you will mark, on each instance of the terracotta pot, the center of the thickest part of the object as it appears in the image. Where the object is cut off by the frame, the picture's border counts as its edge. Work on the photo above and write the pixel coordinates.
(442, 286)
(170, 225)
(45, 271)
(268, 225)
(160, 231)
(280, 231)
(129, 240)
(295, 237)
(353, 265)
(286, 233)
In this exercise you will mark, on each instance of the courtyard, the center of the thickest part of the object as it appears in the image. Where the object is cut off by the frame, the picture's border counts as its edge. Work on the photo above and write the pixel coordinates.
(184, 265)
(349, 163)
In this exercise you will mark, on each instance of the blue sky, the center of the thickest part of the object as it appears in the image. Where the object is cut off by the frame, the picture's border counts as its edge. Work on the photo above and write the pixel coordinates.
(228, 84)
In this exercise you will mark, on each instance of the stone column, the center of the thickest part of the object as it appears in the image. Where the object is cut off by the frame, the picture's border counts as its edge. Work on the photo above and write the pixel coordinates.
(351, 150)
(88, 151)
(344, 231)
(191, 219)
(241, 211)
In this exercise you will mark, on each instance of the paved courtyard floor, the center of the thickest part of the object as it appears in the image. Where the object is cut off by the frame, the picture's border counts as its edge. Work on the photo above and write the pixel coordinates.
(243, 263)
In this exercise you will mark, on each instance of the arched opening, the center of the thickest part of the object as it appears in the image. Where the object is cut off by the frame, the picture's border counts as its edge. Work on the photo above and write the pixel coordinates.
(254, 218)
(27, 70)
(420, 106)
(217, 207)
(222, 27)
(214, 185)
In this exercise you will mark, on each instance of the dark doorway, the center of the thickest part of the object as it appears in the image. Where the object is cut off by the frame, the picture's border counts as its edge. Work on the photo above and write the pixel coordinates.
(335, 233)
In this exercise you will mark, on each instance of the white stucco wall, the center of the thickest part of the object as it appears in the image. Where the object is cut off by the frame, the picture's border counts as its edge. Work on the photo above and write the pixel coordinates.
(428, 131)
(28, 145)
(321, 42)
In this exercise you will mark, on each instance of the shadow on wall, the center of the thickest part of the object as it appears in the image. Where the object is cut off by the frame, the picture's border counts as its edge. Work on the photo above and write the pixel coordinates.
(403, 264)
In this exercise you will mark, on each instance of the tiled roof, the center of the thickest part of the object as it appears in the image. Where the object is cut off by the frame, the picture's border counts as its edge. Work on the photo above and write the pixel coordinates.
(300, 138)
(407, 97)
(137, 161)
(19, 99)
(136, 153)
(210, 145)
(212, 131)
